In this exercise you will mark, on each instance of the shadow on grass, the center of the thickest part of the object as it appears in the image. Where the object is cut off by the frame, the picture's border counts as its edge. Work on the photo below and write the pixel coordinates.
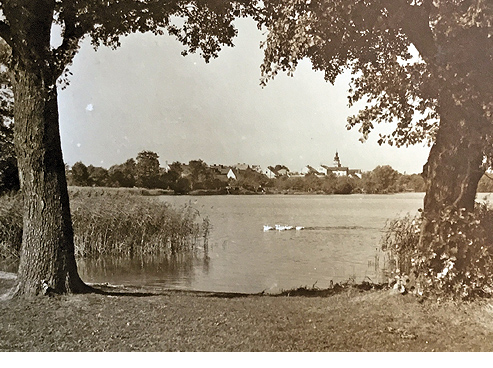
(333, 290)
(7, 283)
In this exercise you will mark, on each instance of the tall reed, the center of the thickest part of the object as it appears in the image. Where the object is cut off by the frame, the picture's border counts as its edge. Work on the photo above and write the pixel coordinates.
(10, 225)
(116, 223)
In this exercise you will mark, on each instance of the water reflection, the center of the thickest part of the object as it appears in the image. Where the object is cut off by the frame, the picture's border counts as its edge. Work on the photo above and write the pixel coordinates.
(173, 271)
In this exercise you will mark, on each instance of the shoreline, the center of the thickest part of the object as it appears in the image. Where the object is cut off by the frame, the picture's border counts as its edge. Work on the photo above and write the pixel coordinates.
(204, 192)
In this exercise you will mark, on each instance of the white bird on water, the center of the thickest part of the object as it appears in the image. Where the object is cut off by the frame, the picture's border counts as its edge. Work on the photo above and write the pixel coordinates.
(282, 227)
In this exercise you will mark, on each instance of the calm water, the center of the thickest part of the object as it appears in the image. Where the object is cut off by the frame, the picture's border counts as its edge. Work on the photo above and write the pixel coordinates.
(339, 240)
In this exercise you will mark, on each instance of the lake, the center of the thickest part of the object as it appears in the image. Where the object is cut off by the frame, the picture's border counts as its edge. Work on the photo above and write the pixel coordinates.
(339, 240)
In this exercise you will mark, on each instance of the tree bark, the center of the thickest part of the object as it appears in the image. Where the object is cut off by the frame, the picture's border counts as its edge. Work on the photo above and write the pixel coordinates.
(454, 167)
(461, 68)
(47, 259)
(452, 172)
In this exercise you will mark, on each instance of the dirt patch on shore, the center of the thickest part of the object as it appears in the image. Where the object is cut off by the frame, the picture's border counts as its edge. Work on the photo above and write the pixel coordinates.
(140, 320)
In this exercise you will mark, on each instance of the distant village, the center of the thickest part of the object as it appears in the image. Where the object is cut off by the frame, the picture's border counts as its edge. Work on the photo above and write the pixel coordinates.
(198, 177)
(235, 172)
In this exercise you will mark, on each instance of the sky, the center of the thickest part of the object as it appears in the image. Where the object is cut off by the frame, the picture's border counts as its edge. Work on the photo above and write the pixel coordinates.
(146, 96)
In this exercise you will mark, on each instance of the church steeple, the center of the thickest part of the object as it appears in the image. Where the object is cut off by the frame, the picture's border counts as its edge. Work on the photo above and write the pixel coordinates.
(337, 161)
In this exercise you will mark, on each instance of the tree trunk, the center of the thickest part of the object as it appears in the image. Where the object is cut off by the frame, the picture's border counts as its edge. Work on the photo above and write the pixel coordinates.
(47, 261)
(454, 167)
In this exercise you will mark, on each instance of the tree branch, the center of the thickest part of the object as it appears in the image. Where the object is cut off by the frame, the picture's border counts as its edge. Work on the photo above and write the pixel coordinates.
(5, 33)
(72, 34)
(414, 21)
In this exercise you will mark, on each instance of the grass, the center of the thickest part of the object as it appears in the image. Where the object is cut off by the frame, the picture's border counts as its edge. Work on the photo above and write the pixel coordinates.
(351, 320)
(115, 222)
(121, 191)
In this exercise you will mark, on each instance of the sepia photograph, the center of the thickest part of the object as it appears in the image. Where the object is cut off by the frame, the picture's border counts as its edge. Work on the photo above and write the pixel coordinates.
(246, 176)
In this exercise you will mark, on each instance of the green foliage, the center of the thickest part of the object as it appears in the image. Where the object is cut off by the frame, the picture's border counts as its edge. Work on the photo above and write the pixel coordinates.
(485, 184)
(122, 175)
(10, 225)
(361, 36)
(400, 241)
(344, 185)
(377, 40)
(115, 223)
(182, 186)
(200, 25)
(199, 173)
(455, 259)
(146, 173)
(411, 183)
(147, 169)
(383, 179)
(132, 226)
(79, 175)
(98, 176)
(9, 176)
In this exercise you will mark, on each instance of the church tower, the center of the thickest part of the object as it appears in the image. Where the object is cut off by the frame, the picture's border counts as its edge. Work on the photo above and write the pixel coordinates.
(337, 161)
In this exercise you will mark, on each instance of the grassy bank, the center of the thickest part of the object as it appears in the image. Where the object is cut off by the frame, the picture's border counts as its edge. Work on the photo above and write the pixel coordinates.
(188, 321)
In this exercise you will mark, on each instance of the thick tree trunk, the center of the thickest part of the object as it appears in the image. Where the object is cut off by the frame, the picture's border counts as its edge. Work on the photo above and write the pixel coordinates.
(452, 173)
(47, 261)
(454, 167)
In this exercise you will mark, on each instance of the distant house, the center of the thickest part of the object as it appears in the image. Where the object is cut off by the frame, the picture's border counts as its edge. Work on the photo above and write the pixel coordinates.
(308, 170)
(275, 172)
(294, 174)
(322, 170)
(340, 170)
(284, 171)
(224, 173)
(355, 173)
(241, 166)
(256, 168)
(337, 169)
(166, 167)
(231, 175)
(270, 172)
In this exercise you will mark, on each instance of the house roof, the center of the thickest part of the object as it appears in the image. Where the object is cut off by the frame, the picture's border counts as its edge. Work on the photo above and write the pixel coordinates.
(224, 170)
(336, 168)
(241, 166)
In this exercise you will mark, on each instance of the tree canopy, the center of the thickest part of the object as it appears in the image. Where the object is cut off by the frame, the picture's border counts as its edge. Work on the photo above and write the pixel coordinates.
(203, 25)
(400, 53)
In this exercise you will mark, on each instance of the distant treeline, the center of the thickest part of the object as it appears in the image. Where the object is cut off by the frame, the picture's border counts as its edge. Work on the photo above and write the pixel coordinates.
(197, 177)
(145, 171)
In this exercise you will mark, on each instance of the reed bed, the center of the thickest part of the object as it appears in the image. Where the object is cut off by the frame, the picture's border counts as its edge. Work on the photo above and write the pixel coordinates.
(10, 225)
(118, 223)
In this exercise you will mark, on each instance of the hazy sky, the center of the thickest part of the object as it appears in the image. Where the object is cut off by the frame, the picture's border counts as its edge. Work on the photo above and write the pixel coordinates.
(146, 96)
